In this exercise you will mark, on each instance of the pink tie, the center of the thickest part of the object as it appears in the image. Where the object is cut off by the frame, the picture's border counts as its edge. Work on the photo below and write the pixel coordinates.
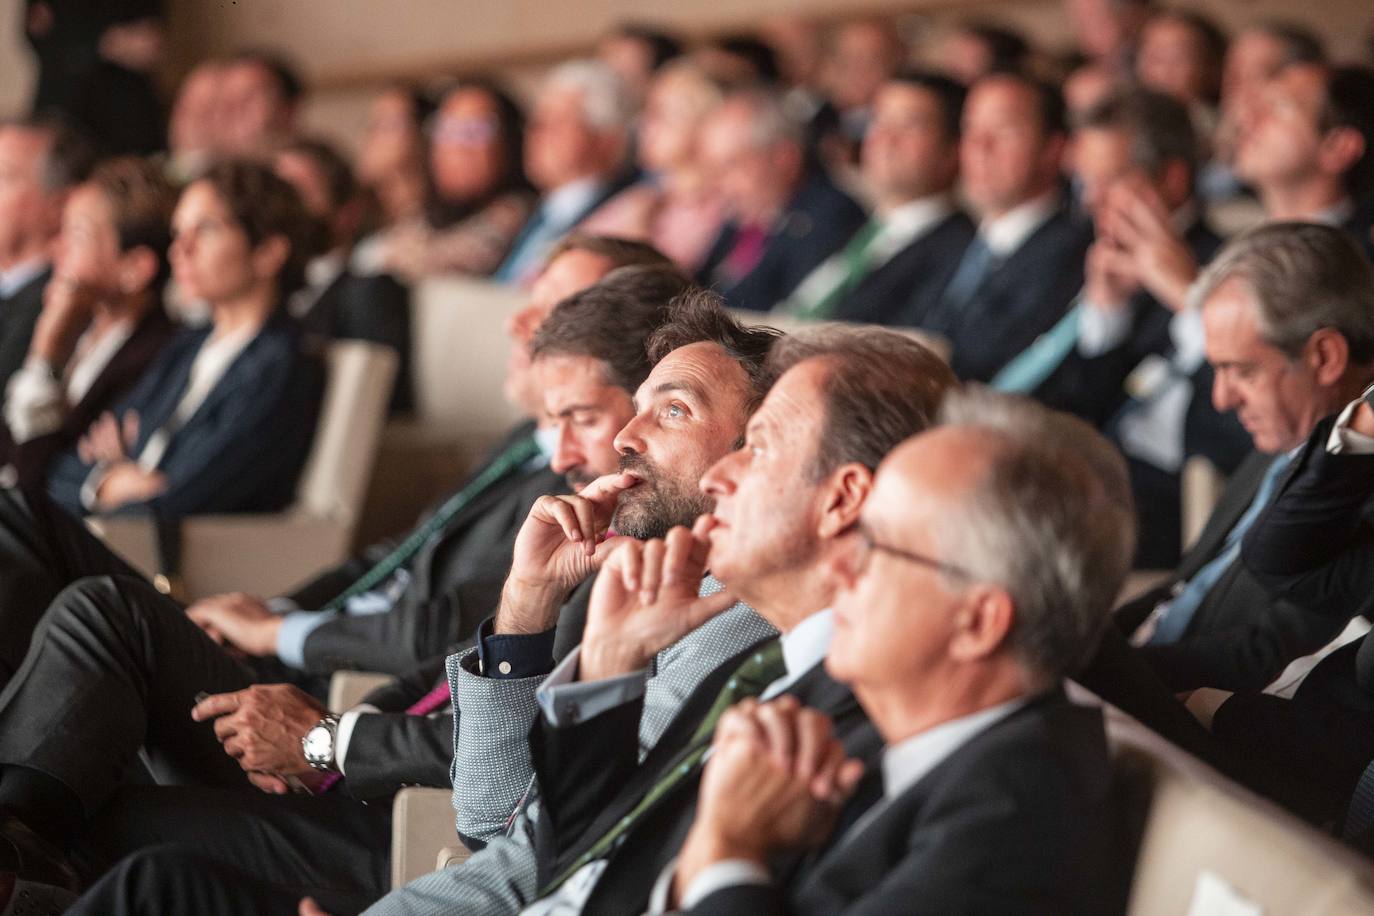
(431, 701)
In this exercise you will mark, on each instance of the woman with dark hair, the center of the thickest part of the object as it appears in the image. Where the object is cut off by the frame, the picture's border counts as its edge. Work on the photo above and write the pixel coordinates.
(479, 196)
(102, 322)
(391, 164)
(222, 421)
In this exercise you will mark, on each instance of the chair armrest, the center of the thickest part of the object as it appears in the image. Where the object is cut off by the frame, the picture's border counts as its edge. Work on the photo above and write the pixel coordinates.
(421, 824)
(347, 688)
(452, 855)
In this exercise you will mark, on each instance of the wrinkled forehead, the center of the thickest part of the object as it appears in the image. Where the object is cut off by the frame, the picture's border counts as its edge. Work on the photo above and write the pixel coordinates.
(701, 372)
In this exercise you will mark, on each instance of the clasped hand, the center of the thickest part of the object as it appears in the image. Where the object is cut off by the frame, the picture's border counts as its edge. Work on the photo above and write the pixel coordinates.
(261, 728)
(776, 779)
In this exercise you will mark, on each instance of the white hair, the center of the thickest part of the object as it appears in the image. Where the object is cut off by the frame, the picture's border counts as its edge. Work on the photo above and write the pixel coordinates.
(606, 103)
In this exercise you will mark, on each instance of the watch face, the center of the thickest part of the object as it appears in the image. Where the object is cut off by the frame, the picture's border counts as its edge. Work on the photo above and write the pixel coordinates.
(318, 744)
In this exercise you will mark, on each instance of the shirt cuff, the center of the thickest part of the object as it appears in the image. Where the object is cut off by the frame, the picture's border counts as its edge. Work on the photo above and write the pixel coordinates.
(90, 488)
(343, 734)
(296, 628)
(720, 875)
(567, 701)
(281, 605)
(1101, 329)
(1344, 440)
(1190, 340)
(511, 656)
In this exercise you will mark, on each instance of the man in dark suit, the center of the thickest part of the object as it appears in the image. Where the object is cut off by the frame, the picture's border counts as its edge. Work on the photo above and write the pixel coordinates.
(902, 256)
(1290, 336)
(43, 160)
(1017, 277)
(956, 650)
(1308, 148)
(338, 303)
(1128, 356)
(786, 216)
(261, 725)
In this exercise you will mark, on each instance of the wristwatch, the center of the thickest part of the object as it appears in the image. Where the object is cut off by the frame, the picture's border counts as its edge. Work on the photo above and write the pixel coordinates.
(318, 744)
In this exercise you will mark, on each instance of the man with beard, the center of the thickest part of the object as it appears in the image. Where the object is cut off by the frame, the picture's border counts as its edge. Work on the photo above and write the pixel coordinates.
(115, 669)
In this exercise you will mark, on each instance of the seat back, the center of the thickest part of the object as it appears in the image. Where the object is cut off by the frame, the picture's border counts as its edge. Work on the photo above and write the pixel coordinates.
(1207, 845)
(1200, 489)
(334, 480)
(460, 350)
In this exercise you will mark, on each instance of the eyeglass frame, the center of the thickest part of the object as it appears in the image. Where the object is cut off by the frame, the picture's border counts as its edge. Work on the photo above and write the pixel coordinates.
(872, 544)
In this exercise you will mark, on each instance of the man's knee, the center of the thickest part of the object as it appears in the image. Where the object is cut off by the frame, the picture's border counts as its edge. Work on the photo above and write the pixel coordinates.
(120, 601)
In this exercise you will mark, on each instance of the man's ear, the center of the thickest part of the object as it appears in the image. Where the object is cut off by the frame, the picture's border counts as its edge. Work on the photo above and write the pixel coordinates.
(843, 496)
(983, 624)
(1340, 149)
(1328, 353)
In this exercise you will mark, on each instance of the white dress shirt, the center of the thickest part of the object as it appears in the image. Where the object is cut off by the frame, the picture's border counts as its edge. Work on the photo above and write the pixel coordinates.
(1006, 233)
(20, 276)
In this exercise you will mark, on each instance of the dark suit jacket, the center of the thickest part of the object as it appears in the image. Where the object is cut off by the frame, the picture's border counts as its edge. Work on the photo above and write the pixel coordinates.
(912, 279)
(1312, 546)
(390, 749)
(243, 448)
(1360, 224)
(1022, 298)
(589, 778)
(18, 315)
(121, 373)
(1240, 638)
(817, 221)
(455, 582)
(375, 308)
(1094, 387)
(1018, 820)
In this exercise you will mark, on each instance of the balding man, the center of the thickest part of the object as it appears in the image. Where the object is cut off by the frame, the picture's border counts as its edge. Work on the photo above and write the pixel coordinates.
(979, 572)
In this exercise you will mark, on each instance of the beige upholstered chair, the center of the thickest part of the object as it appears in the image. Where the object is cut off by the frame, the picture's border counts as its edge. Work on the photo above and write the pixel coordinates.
(1210, 846)
(459, 369)
(268, 554)
(1200, 489)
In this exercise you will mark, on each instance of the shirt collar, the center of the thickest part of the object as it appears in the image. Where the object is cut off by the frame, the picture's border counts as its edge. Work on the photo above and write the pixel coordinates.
(804, 646)
(907, 762)
(916, 217)
(325, 269)
(20, 276)
(566, 203)
(1336, 214)
(1006, 233)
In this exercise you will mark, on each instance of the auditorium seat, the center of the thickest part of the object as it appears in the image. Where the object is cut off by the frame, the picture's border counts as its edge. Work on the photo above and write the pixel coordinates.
(268, 554)
(459, 368)
(1206, 845)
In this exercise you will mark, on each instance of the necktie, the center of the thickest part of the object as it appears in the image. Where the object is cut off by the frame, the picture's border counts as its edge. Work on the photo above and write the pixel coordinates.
(527, 245)
(1173, 618)
(968, 278)
(1037, 362)
(749, 680)
(855, 261)
(508, 461)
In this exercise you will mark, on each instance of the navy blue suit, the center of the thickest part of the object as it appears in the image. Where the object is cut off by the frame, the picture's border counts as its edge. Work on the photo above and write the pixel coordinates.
(912, 279)
(1021, 298)
(242, 450)
(818, 220)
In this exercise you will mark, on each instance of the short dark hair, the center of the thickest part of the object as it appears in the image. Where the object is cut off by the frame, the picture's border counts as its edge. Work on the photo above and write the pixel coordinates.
(70, 155)
(1049, 99)
(881, 387)
(757, 54)
(283, 72)
(264, 206)
(611, 321)
(141, 199)
(1300, 44)
(662, 46)
(334, 168)
(1350, 103)
(1160, 128)
(621, 252)
(950, 94)
(1007, 48)
(699, 316)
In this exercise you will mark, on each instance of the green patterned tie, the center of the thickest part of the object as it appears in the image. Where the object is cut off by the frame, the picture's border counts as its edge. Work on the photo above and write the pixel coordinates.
(508, 461)
(749, 680)
(855, 260)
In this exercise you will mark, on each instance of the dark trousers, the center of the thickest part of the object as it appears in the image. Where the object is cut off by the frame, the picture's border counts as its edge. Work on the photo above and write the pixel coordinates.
(166, 880)
(42, 550)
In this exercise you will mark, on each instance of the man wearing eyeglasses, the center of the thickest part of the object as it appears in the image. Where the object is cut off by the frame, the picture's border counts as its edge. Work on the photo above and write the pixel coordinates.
(981, 570)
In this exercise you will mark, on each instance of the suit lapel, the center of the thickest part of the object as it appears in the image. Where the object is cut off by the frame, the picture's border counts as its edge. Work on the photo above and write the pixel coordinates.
(1235, 499)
